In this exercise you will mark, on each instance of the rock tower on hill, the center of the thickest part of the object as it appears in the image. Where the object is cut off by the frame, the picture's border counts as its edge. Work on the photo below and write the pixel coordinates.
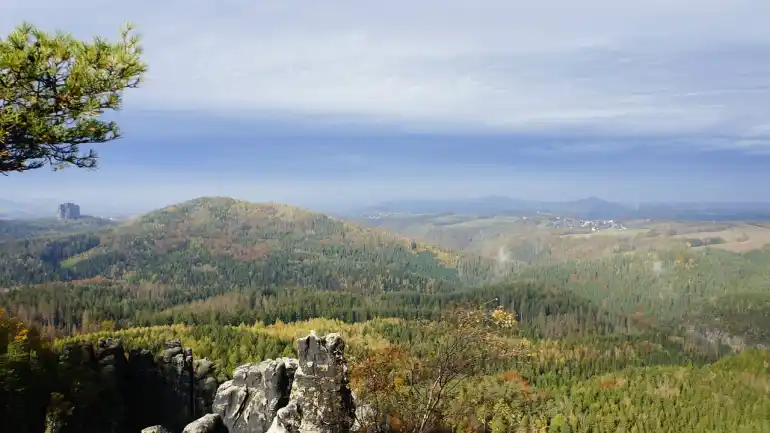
(69, 211)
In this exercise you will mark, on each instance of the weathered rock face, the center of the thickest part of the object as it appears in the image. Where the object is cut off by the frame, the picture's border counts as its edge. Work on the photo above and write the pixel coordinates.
(177, 388)
(250, 401)
(140, 390)
(285, 395)
(207, 380)
(321, 400)
(156, 429)
(111, 356)
(310, 394)
(175, 367)
(69, 211)
(211, 423)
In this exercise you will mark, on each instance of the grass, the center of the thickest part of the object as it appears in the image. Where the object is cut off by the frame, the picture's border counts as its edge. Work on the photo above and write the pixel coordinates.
(738, 239)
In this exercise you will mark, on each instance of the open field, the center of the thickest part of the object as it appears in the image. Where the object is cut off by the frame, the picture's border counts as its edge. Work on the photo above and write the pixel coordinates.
(534, 240)
(739, 238)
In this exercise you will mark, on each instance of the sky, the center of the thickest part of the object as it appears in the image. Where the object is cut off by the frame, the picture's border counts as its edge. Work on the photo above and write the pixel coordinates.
(346, 103)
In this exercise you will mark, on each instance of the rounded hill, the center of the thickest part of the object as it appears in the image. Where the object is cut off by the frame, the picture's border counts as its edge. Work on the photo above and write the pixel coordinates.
(212, 241)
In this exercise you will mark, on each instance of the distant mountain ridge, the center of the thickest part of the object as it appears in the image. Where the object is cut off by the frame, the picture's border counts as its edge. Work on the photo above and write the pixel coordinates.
(587, 208)
(13, 209)
(30, 228)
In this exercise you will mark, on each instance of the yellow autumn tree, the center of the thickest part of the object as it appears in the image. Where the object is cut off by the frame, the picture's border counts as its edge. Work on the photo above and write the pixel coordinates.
(413, 389)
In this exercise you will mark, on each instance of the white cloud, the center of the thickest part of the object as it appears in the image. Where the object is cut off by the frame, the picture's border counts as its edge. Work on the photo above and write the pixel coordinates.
(634, 67)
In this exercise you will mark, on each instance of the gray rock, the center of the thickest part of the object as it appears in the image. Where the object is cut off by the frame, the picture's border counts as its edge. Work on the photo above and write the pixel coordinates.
(156, 429)
(211, 423)
(142, 389)
(172, 348)
(56, 413)
(321, 400)
(186, 395)
(78, 354)
(365, 416)
(250, 401)
(203, 367)
(287, 420)
(306, 395)
(110, 350)
(172, 390)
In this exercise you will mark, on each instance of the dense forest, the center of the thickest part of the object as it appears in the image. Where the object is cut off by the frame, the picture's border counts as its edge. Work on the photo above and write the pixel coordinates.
(17, 229)
(669, 340)
(576, 384)
(487, 323)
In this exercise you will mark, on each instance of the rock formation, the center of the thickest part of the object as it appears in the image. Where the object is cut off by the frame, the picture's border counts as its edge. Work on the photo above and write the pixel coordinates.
(286, 395)
(211, 423)
(178, 381)
(68, 211)
(140, 389)
(320, 400)
(250, 401)
(156, 429)
(111, 357)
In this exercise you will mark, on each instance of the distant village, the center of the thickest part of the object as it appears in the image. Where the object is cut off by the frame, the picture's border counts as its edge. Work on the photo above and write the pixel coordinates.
(593, 225)
(555, 222)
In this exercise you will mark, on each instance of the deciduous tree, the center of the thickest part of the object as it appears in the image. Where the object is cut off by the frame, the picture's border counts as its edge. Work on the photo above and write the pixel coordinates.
(414, 391)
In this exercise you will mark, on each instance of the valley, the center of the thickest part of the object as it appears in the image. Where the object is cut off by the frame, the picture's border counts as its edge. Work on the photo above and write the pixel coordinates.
(628, 317)
(504, 217)
(547, 238)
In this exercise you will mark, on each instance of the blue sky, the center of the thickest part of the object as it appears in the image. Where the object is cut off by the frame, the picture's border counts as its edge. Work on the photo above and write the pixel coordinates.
(355, 102)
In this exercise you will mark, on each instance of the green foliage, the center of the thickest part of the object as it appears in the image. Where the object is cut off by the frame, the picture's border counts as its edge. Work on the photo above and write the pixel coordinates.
(24, 376)
(630, 342)
(229, 346)
(49, 227)
(592, 384)
(216, 248)
(697, 242)
(706, 288)
(53, 88)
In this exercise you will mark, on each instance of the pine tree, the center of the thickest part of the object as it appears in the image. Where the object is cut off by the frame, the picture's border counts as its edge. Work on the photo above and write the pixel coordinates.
(53, 88)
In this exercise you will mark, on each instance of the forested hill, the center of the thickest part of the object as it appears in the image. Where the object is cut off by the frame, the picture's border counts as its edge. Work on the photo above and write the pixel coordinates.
(212, 246)
(238, 261)
(203, 241)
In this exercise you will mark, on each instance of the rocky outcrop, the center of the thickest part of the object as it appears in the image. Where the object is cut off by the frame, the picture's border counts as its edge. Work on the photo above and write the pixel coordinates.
(320, 400)
(285, 395)
(211, 423)
(309, 394)
(111, 357)
(250, 401)
(175, 367)
(156, 429)
(207, 381)
(141, 389)
(68, 211)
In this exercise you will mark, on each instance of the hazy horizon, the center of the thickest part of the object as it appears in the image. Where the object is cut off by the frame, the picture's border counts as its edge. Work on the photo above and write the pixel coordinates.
(347, 105)
(45, 205)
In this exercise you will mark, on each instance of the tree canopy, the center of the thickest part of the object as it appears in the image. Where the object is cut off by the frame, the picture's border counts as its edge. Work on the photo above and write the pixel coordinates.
(53, 88)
